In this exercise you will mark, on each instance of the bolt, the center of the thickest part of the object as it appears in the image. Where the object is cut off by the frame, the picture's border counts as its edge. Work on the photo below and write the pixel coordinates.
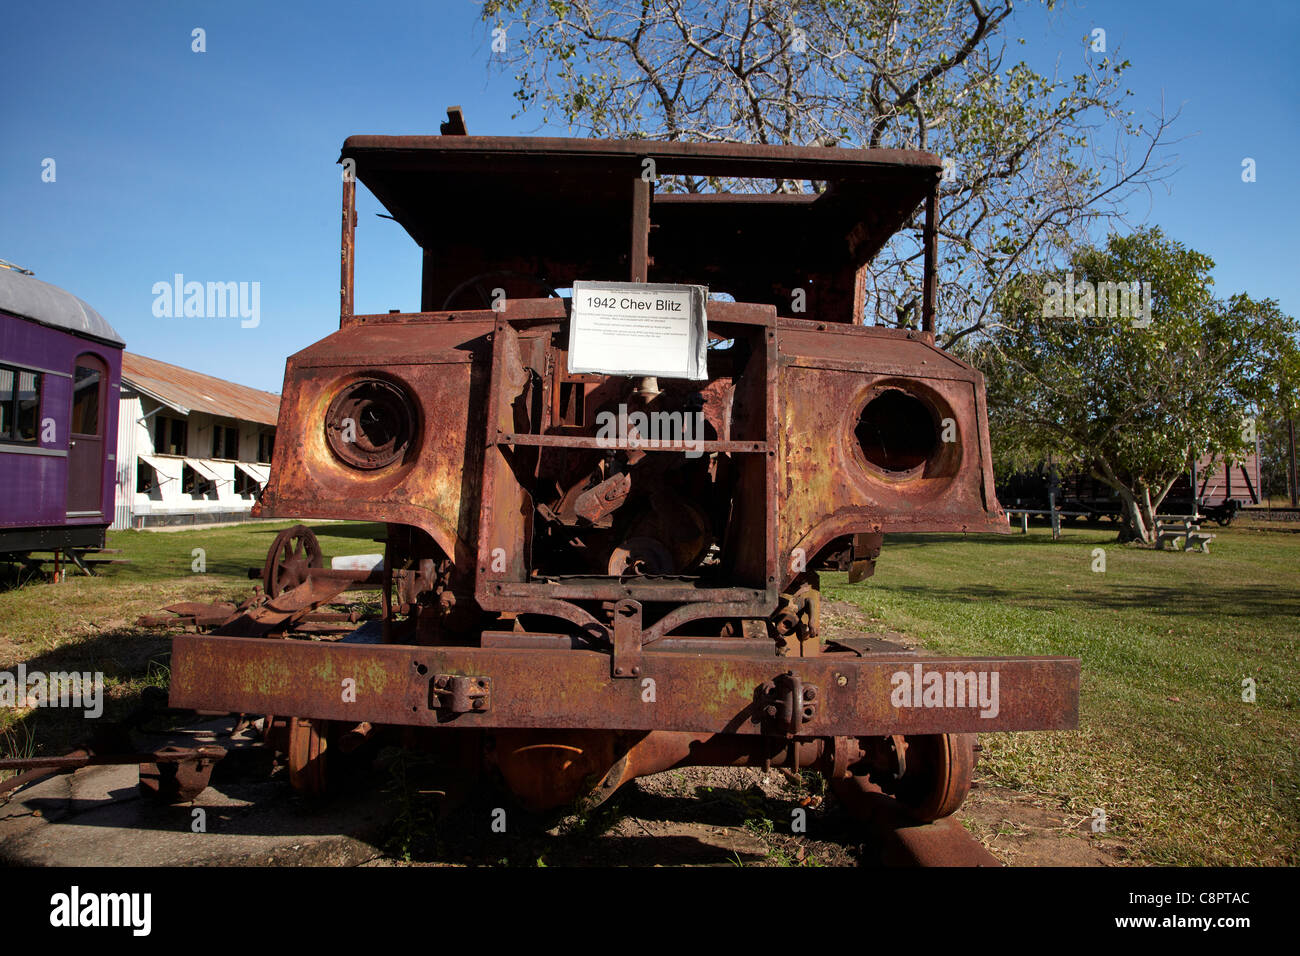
(636, 672)
(810, 693)
(618, 672)
(770, 710)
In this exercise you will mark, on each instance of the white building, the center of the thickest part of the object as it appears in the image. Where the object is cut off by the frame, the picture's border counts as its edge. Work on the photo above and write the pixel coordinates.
(191, 448)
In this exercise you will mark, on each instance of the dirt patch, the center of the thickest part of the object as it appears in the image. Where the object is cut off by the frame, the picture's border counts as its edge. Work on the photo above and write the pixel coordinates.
(1023, 830)
(841, 619)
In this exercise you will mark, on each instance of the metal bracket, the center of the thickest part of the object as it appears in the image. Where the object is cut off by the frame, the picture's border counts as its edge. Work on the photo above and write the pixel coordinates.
(450, 694)
(787, 703)
(866, 548)
(627, 639)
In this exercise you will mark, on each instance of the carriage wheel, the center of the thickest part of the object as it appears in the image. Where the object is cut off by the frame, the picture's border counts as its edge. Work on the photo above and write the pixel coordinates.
(288, 561)
(306, 753)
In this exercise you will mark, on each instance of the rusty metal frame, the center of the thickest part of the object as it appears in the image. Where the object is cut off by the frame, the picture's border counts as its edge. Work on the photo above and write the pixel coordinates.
(497, 373)
(347, 252)
(496, 591)
(554, 688)
(930, 238)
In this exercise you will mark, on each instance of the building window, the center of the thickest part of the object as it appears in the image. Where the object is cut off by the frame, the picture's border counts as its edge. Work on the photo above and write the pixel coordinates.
(225, 442)
(194, 484)
(170, 435)
(245, 486)
(20, 405)
(265, 445)
(145, 478)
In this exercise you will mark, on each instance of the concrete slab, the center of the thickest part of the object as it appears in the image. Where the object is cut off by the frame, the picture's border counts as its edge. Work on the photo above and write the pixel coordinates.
(98, 817)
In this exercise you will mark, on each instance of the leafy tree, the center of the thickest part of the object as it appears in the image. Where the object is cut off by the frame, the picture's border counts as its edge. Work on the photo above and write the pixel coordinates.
(1275, 456)
(1026, 172)
(1135, 391)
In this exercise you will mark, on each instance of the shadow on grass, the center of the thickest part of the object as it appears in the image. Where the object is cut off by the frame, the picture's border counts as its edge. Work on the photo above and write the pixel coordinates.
(710, 827)
(132, 656)
(1042, 537)
(372, 531)
(1182, 601)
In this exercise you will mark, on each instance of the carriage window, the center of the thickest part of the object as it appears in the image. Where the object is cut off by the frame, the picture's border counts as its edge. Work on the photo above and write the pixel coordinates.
(27, 404)
(85, 402)
(20, 404)
(7, 377)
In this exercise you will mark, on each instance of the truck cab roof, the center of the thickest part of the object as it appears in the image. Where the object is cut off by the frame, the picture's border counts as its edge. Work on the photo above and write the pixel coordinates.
(561, 209)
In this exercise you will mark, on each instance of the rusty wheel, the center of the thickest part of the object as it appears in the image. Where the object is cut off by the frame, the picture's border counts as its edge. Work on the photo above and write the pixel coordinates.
(928, 776)
(940, 768)
(306, 753)
(293, 553)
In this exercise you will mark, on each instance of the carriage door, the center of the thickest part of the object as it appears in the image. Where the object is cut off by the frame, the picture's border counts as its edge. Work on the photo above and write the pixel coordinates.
(86, 442)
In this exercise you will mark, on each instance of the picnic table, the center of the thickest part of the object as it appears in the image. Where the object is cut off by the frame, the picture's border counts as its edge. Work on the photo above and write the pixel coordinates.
(1169, 528)
(1026, 512)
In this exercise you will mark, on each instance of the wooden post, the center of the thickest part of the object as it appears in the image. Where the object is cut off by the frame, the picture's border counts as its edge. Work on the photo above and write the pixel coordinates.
(348, 251)
(1290, 427)
(640, 251)
(929, 287)
(1052, 486)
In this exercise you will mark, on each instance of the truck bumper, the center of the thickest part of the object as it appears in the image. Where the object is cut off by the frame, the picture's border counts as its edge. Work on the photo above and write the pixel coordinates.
(832, 694)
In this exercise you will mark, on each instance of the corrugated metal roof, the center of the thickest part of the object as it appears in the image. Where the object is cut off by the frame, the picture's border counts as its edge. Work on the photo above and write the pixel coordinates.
(188, 391)
(29, 297)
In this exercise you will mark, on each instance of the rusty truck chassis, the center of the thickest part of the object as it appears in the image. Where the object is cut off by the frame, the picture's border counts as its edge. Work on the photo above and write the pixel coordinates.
(622, 655)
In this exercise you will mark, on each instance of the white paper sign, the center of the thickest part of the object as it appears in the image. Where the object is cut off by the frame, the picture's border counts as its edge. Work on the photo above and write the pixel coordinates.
(639, 328)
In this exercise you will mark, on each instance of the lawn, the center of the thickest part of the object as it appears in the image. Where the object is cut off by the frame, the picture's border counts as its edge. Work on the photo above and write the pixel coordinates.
(1185, 771)
(88, 624)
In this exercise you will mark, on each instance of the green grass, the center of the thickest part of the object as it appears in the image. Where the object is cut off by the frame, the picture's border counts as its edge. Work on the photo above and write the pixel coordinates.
(38, 616)
(1186, 772)
(88, 623)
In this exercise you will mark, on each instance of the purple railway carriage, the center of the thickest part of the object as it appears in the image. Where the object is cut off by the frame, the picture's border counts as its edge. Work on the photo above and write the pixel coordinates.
(60, 372)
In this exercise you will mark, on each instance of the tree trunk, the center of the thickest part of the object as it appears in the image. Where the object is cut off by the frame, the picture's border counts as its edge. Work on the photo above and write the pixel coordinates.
(1139, 514)
(1148, 513)
(1138, 522)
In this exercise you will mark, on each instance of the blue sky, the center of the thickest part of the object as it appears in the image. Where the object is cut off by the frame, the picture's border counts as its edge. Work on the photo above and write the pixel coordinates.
(221, 165)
